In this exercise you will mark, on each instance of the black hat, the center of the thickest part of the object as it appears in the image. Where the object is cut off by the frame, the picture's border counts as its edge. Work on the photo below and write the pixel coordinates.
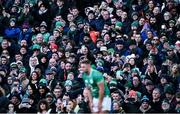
(169, 89)
(132, 42)
(120, 42)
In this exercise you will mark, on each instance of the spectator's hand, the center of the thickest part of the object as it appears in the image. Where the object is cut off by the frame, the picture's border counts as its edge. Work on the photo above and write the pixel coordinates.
(5, 14)
(99, 107)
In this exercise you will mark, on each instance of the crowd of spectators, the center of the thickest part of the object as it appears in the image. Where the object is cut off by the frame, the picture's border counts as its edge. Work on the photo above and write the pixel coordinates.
(134, 43)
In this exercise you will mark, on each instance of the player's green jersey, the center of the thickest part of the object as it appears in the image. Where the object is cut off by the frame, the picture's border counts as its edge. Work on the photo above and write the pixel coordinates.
(92, 80)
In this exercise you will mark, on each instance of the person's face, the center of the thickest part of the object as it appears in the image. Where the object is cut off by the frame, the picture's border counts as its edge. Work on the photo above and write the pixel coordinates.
(174, 69)
(3, 61)
(106, 15)
(163, 81)
(39, 39)
(84, 50)
(106, 38)
(18, 57)
(68, 66)
(43, 60)
(11, 107)
(56, 34)
(59, 3)
(165, 106)
(52, 62)
(166, 16)
(30, 90)
(41, 90)
(34, 76)
(68, 88)
(49, 77)
(71, 76)
(156, 11)
(138, 38)
(116, 97)
(119, 46)
(42, 29)
(34, 61)
(178, 34)
(49, 99)
(57, 92)
(75, 12)
(55, 56)
(132, 61)
(119, 12)
(91, 16)
(23, 51)
(136, 81)
(141, 21)
(9, 80)
(70, 104)
(152, 20)
(70, 17)
(99, 44)
(12, 23)
(43, 106)
(58, 104)
(14, 99)
(4, 44)
(145, 105)
(151, 4)
(168, 96)
(42, 8)
(149, 34)
(124, 15)
(84, 67)
(116, 106)
(23, 43)
(156, 95)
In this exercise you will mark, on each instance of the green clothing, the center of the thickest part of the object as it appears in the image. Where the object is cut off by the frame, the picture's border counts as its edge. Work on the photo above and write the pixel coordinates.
(92, 80)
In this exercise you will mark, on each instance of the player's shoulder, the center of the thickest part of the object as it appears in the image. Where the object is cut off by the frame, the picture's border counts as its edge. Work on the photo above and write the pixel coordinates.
(96, 72)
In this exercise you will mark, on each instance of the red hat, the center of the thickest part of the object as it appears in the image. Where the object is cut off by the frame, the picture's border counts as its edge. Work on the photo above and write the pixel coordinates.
(53, 46)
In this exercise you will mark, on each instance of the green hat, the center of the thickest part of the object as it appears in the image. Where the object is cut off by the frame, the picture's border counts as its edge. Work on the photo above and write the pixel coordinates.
(128, 84)
(111, 51)
(119, 73)
(36, 47)
(100, 62)
(43, 81)
(13, 65)
(68, 83)
(135, 24)
(113, 82)
(119, 24)
(136, 70)
(22, 70)
(58, 24)
(169, 89)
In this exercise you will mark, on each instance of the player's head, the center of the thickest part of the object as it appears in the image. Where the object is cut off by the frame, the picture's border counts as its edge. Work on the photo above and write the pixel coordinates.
(85, 65)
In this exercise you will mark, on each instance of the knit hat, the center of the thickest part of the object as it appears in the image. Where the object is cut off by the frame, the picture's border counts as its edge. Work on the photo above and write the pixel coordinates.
(22, 70)
(135, 24)
(118, 24)
(49, 94)
(13, 65)
(169, 89)
(36, 47)
(68, 83)
(43, 24)
(145, 99)
(53, 46)
(59, 24)
(132, 93)
(25, 26)
(113, 82)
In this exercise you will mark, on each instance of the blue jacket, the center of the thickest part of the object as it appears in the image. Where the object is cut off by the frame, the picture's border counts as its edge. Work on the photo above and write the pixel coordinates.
(12, 33)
